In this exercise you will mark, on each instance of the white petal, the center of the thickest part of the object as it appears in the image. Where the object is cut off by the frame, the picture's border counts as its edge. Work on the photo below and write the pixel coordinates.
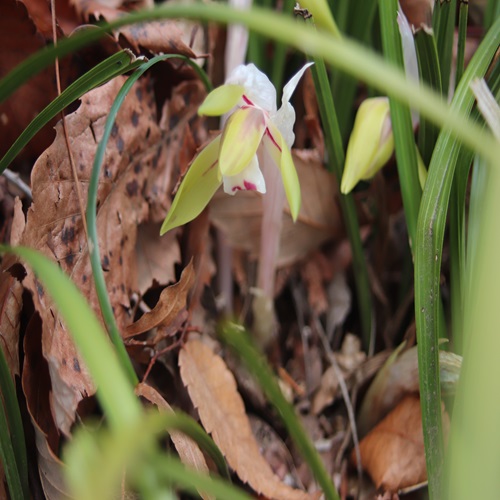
(250, 179)
(284, 119)
(258, 87)
(290, 86)
(409, 54)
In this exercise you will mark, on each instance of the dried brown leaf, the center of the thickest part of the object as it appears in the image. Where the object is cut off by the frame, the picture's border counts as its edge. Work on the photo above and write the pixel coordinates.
(156, 257)
(40, 12)
(349, 359)
(11, 303)
(36, 388)
(171, 302)
(51, 469)
(163, 36)
(399, 377)
(393, 452)
(213, 391)
(189, 452)
(54, 223)
(239, 217)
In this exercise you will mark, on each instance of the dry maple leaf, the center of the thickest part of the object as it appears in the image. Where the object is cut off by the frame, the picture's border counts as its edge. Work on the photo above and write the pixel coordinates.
(213, 391)
(54, 224)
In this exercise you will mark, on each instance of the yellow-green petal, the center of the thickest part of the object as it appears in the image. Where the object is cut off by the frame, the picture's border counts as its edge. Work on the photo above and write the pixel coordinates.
(240, 139)
(371, 143)
(221, 100)
(280, 153)
(197, 188)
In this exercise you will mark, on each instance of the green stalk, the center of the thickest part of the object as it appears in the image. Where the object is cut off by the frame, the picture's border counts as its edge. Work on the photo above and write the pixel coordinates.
(428, 67)
(462, 38)
(404, 141)
(236, 337)
(342, 53)
(491, 13)
(444, 28)
(475, 440)
(14, 430)
(336, 157)
(457, 226)
(8, 459)
(428, 254)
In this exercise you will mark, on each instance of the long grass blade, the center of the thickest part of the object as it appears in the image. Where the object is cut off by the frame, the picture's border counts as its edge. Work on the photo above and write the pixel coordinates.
(404, 141)
(428, 66)
(9, 460)
(428, 254)
(444, 28)
(15, 424)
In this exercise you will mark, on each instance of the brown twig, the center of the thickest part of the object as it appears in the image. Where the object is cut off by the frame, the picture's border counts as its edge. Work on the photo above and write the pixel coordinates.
(65, 131)
(343, 389)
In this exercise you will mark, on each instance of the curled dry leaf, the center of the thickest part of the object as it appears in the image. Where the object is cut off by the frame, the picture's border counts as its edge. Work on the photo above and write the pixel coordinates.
(54, 223)
(393, 452)
(171, 302)
(189, 452)
(213, 391)
(239, 217)
(36, 387)
(399, 377)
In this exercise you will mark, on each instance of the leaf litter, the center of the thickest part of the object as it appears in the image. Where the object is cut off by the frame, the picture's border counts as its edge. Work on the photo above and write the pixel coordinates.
(163, 288)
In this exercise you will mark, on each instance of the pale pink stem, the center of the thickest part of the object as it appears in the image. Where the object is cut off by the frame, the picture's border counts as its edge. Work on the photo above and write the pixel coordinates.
(236, 49)
(272, 218)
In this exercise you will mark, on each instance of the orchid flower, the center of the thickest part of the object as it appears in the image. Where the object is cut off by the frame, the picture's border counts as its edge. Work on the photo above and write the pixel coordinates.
(371, 143)
(255, 131)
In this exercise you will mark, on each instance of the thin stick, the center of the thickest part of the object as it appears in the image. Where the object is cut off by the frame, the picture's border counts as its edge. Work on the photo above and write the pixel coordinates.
(65, 130)
(14, 179)
(343, 389)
